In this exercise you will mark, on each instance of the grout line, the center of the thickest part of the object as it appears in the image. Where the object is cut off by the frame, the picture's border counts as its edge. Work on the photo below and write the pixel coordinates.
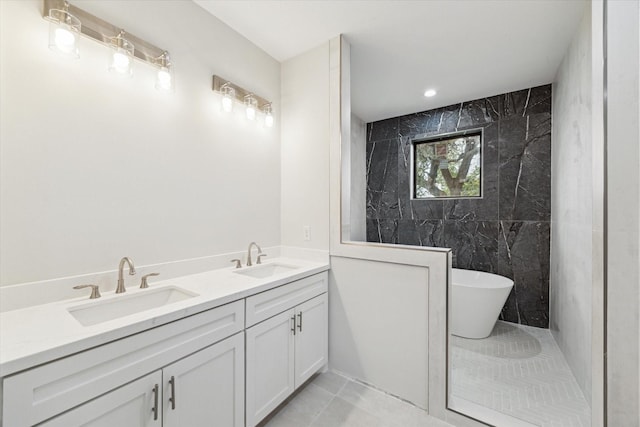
(314, 419)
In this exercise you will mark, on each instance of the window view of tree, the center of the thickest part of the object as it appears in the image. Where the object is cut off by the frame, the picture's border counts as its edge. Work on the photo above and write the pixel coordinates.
(448, 167)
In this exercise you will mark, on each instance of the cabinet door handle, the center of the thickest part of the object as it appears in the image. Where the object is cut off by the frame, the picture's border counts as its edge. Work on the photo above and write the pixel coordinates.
(293, 328)
(155, 403)
(172, 399)
(300, 321)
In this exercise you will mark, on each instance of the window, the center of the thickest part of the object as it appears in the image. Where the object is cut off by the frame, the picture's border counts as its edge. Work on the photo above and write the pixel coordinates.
(448, 166)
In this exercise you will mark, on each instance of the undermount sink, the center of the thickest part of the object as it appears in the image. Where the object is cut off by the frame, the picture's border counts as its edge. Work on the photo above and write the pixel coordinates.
(101, 311)
(266, 270)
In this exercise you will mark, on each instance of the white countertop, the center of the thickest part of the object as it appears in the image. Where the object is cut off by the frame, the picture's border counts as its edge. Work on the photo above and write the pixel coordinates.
(35, 335)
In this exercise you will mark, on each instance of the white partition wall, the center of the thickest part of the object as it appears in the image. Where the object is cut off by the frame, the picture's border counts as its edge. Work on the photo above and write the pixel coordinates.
(358, 176)
(379, 325)
(368, 277)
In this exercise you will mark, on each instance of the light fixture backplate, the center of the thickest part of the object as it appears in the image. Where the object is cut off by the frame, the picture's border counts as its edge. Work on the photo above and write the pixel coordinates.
(102, 31)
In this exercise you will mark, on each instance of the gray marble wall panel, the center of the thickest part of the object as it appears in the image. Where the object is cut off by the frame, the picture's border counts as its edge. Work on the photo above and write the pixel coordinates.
(507, 230)
(573, 203)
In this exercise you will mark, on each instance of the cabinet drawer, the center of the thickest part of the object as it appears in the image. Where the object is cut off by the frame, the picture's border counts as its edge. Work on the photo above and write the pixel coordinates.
(267, 304)
(37, 394)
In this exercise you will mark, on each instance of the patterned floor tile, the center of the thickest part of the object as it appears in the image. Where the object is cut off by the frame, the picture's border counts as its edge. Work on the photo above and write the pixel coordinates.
(519, 371)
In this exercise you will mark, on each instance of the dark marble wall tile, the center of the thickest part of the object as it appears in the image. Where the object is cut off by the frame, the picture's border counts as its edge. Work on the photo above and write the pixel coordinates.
(382, 180)
(479, 112)
(514, 103)
(432, 122)
(424, 209)
(382, 230)
(507, 230)
(474, 244)
(525, 102)
(524, 257)
(539, 100)
(425, 122)
(525, 168)
(383, 129)
(421, 232)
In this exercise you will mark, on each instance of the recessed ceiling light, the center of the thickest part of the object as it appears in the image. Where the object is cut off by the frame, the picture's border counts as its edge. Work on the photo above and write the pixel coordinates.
(430, 92)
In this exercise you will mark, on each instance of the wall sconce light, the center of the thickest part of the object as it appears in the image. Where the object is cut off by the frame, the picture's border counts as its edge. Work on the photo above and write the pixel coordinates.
(252, 102)
(64, 31)
(268, 115)
(65, 28)
(121, 55)
(228, 95)
(164, 77)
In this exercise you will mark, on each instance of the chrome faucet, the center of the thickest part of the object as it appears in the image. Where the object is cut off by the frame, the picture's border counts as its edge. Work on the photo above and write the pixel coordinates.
(132, 270)
(249, 263)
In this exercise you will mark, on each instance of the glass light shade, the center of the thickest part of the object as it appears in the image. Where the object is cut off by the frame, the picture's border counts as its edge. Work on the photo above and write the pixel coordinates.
(228, 95)
(164, 78)
(121, 56)
(268, 120)
(64, 33)
(251, 104)
(268, 116)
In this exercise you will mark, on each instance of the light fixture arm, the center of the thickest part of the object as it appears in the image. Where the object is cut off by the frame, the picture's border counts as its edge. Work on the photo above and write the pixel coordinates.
(163, 60)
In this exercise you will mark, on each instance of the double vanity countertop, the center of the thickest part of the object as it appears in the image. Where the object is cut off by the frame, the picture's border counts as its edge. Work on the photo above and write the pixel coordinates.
(35, 335)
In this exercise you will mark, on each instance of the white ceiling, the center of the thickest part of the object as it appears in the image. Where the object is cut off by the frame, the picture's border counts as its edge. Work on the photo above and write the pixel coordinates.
(466, 49)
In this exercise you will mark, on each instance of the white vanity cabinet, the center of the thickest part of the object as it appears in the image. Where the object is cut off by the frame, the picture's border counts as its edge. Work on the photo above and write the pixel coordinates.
(129, 405)
(206, 388)
(227, 366)
(208, 385)
(286, 342)
(114, 384)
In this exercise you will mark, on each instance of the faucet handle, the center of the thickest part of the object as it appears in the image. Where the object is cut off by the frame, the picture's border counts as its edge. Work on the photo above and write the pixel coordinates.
(95, 290)
(238, 262)
(143, 282)
(259, 261)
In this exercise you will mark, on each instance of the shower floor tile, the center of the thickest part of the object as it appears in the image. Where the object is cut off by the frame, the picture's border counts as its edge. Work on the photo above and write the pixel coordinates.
(519, 371)
(332, 400)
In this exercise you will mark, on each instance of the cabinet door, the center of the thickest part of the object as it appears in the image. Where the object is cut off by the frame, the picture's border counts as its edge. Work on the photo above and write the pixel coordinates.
(137, 404)
(311, 338)
(270, 375)
(206, 388)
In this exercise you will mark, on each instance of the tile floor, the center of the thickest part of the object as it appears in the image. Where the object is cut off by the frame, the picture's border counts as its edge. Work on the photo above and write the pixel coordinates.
(331, 400)
(519, 371)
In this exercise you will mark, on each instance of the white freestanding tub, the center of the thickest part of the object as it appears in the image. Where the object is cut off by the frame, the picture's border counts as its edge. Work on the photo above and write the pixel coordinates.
(476, 300)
